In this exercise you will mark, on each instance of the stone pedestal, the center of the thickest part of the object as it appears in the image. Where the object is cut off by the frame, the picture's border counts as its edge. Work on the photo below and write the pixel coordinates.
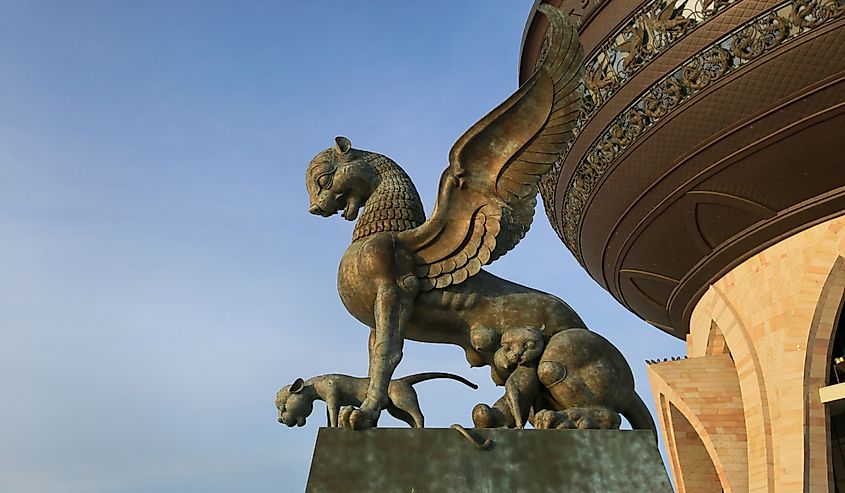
(525, 461)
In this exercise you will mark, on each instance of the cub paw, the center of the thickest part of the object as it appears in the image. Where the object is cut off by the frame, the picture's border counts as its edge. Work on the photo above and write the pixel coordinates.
(582, 418)
(596, 417)
(551, 420)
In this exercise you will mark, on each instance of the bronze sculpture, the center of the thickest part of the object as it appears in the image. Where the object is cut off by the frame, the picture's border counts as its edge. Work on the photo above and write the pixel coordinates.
(518, 357)
(295, 401)
(407, 277)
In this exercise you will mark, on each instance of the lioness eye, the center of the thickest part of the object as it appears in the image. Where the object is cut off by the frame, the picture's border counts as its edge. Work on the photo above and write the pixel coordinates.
(325, 181)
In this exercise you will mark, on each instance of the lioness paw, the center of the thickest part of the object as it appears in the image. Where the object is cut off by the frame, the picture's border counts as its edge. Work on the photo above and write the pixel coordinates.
(357, 419)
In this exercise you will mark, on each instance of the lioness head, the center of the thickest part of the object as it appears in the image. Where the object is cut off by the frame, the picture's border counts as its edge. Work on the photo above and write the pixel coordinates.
(339, 178)
(293, 404)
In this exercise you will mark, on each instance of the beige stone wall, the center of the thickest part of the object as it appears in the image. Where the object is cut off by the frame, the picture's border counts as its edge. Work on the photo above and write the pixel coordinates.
(757, 354)
(702, 395)
(696, 470)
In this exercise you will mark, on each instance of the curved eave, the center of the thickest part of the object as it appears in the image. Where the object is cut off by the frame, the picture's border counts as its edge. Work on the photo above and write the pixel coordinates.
(737, 166)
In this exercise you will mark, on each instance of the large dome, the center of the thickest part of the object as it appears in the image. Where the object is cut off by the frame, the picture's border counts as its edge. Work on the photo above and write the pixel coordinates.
(712, 129)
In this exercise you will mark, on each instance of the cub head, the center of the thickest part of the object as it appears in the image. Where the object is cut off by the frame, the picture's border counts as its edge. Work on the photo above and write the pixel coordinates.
(522, 346)
(340, 178)
(294, 404)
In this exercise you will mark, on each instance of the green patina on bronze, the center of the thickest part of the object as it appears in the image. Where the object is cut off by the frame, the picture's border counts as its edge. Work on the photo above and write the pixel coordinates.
(525, 461)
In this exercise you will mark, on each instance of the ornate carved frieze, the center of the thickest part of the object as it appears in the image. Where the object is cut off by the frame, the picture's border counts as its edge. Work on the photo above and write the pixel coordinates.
(647, 33)
(747, 42)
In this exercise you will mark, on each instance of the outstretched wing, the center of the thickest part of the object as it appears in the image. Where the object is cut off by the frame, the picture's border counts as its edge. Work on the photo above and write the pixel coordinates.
(488, 194)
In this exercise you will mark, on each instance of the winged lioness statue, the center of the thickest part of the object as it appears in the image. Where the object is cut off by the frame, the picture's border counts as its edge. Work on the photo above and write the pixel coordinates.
(408, 277)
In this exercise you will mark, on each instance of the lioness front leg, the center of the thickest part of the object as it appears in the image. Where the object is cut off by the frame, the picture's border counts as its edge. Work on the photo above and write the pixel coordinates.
(332, 409)
(392, 311)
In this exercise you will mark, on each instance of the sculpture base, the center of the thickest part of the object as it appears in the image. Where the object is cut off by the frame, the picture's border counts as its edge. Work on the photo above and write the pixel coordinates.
(436, 460)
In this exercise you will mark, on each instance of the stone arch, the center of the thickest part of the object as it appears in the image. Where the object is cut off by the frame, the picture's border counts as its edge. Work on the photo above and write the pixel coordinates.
(695, 460)
(816, 369)
(751, 383)
(702, 431)
(669, 436)
(716, 343)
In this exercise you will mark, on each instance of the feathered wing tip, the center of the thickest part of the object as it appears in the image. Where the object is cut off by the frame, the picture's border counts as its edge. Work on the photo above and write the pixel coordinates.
(562, 63)
(562, 43)
(565, 65)
(487, 195)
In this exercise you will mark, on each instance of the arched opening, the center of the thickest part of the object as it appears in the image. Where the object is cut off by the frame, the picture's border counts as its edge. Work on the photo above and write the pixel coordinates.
(825, 380)
(695, 464)
(837, 352)
(836, 409)
(716, 341)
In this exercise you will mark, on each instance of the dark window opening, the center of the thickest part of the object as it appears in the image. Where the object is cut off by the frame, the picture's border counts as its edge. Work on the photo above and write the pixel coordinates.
(835, 413)
(837, 354)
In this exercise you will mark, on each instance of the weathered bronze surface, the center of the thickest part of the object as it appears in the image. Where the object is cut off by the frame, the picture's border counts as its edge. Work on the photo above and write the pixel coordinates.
(407, 277)
(519, 355)
(523, 461)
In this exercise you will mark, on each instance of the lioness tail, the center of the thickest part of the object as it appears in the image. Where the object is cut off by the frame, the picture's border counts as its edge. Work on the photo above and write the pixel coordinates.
(422, 377)
(639, 416)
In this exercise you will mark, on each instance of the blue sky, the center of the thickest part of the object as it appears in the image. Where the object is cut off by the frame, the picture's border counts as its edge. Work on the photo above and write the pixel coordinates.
(160, 277)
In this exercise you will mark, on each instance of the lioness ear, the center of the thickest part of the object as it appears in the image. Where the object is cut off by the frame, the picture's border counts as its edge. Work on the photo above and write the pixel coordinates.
(342, 144)
(297, 386)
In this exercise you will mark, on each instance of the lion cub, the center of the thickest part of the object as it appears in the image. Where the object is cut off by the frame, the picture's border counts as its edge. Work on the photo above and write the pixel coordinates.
(295, 401)
(518, 356)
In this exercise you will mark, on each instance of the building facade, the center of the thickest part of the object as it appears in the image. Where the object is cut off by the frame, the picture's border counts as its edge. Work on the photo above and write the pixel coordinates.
(705, 190)
(744, 411)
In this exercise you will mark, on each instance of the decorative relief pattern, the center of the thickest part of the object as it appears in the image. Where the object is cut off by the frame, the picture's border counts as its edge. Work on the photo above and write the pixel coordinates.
(648, 33)
(734, 50)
